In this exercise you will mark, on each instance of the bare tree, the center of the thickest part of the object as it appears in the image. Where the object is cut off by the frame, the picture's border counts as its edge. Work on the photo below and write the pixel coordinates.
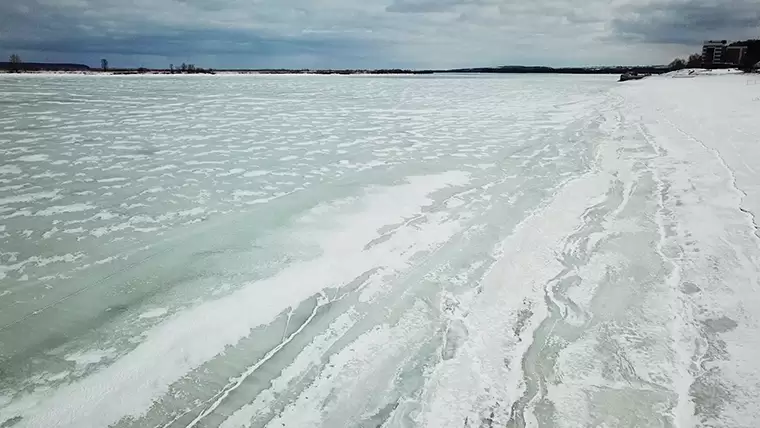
(694, 61)
(171, 68)
(15, 61)
(677, 64)
(183, 67)
(104, 64)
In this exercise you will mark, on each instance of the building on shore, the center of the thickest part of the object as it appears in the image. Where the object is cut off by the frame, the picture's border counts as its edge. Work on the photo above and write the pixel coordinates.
(718, 54)
(735, 54)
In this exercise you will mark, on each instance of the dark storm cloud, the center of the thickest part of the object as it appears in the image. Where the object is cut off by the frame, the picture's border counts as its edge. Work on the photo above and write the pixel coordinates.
(374, 33)
(168, 42)
(82, 28)
(688, 22)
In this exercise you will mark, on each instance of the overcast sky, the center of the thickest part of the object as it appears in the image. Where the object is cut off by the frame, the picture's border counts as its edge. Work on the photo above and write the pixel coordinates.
(368, 33)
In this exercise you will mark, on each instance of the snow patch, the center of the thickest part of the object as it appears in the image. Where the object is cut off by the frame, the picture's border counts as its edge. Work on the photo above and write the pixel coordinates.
(62, 209)
(10, 169)
(33, 158)
(28, 197)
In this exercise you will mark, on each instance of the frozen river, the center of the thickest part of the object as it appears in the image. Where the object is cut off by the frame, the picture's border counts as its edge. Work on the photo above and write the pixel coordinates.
(293, 251)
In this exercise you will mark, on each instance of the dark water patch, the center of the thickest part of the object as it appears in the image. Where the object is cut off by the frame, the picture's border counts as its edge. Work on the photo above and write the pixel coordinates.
(710, 395)
(690, 288)
(146, 151)
(299, 316)
(117, 310)
(353, 286)
(456, 335)
(720, 325)
(11, 422)
(380, 418)
(379, 240)
(15, 368)
(211, 253)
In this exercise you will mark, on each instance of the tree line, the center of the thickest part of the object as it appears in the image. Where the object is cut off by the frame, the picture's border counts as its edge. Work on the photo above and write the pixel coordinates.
(189, 69)
(693, 61)
(15, 65)
(751, 57)
(15, 61)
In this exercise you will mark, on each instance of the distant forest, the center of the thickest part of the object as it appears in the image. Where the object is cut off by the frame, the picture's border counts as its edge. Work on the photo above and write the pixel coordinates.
(42, 66)
(18, 66)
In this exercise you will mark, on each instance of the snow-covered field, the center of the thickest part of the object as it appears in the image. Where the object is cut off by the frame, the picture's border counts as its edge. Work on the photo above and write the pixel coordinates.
(311, 251)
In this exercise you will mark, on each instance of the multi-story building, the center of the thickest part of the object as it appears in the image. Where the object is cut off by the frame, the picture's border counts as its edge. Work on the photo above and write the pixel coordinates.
(734, 55)
(718, 54)
(712, 52)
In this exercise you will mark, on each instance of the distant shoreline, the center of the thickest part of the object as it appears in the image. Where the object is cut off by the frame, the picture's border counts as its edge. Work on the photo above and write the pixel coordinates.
(85, 70)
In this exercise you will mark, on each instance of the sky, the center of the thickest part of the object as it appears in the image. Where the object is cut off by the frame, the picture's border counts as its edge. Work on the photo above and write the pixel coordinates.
(368, 33)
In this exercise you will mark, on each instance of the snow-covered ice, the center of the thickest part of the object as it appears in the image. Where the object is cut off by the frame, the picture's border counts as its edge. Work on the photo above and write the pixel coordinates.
(311, 251)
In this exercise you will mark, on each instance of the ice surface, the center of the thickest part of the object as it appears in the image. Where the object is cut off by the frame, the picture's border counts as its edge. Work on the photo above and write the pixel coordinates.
(153, 313)
(10, 169)
(442, 251)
